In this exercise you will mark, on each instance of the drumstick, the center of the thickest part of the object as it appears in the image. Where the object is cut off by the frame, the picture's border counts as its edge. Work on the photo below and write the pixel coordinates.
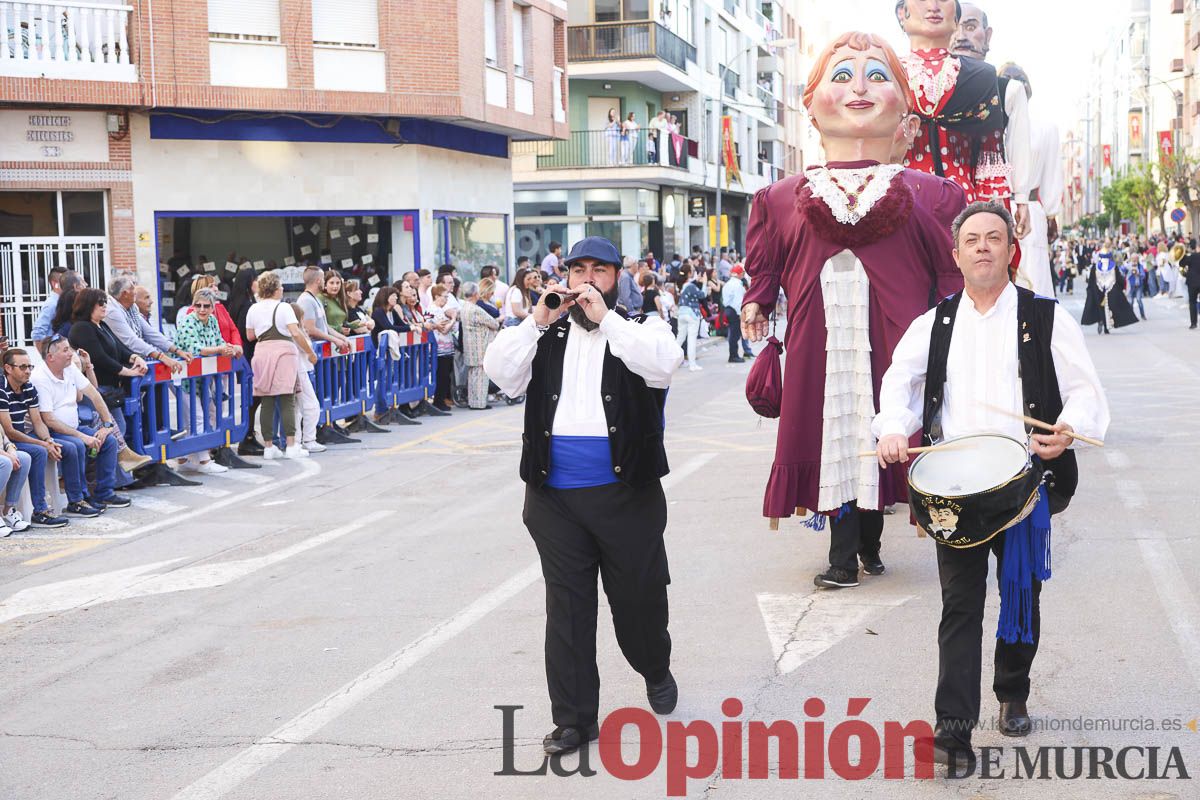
(1037, 423)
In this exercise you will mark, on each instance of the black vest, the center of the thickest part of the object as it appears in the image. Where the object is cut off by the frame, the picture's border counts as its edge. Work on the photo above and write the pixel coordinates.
(1039, 383)
(632, 410)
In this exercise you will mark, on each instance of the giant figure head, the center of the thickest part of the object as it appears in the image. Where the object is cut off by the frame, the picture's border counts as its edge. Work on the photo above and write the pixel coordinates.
(930, 21)
(858, 92)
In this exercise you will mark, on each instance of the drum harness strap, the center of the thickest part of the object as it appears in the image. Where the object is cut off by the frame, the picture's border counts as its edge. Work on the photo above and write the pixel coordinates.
(1026, 555)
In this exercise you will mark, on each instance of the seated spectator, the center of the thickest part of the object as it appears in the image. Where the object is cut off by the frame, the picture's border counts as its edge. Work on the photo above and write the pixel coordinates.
(143, 301)
(72, 284)
(111, 359)
(59, 385)
(229, 329)
(14, 472)
(22, 425)
(273, 326)
(358, 320)
(200, 334)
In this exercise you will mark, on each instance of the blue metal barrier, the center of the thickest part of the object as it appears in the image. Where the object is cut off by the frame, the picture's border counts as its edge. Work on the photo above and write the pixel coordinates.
(409, 378)
(344, 382)
(202, 408)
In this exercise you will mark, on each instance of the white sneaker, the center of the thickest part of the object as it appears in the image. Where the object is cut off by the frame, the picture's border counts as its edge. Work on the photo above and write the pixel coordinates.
(212, 468)
(315, 447)
(694, 367)
(5, 531)
(271, 451)
(14, 520)
(296, 451)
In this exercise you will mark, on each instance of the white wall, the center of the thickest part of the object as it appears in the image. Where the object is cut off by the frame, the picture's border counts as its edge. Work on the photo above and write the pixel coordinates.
(194, 175)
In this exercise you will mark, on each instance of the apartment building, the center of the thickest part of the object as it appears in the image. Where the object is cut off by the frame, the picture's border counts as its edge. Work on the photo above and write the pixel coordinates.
(186, 136)
(720, 70)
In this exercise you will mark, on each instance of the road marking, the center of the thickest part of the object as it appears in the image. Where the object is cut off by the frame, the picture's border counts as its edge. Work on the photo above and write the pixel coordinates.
(108, 587)
(244, 476)
(206, 491)
(1180, 605)
(411, 443)
(70, 550)
(801, 627)
(156, 504)
(1118, 460)
(268, 749)
(1131, 494)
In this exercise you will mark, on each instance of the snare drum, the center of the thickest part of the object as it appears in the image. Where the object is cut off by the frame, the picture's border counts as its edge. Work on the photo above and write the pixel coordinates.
(964, 495)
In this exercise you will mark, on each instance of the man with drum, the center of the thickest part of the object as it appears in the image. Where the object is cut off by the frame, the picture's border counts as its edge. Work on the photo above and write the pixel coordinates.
(974, 367)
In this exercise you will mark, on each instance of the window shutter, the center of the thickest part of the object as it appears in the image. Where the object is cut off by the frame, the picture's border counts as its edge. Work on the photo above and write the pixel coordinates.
(489, 31)
(353, 22)
(518, 40)
(258, 18)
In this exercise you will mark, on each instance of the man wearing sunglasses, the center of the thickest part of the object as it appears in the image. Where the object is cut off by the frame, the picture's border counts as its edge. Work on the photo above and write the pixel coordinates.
(21, 419)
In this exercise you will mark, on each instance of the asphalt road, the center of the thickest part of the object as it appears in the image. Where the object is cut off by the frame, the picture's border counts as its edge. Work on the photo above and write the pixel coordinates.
(344, 627)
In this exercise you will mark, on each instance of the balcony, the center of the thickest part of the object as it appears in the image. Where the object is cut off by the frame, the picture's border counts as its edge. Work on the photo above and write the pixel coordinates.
(617, 41)
(70, 40)
(731, 7)
(584, 149)
(732, 81)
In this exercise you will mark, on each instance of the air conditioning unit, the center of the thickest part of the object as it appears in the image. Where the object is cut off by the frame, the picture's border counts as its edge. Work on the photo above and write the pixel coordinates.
(1176, 65)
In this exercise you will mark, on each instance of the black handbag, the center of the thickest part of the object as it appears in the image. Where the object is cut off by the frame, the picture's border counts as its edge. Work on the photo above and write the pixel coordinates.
(114, 396)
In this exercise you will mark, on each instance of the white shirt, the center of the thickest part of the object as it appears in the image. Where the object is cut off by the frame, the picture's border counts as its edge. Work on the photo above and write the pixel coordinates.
(1047, 165)
(500, 296)
(647, 348)
(982, 370)
(60, 397)
(258, 317)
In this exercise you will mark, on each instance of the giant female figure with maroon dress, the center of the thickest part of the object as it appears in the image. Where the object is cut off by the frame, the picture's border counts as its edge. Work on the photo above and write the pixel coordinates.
(860, 247)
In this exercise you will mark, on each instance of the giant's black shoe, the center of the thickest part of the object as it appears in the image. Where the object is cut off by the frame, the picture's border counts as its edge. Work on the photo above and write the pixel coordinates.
(836, 578)
(1014, 719)
(956, 755)
(663, 695)
(872, 565)
(568, 739)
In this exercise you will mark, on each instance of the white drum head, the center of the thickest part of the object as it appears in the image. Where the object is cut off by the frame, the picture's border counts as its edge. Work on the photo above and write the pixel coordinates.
(969, 465)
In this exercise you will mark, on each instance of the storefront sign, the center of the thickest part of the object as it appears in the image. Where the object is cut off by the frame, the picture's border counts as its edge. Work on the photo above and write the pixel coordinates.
(697, 207)
(53, 135)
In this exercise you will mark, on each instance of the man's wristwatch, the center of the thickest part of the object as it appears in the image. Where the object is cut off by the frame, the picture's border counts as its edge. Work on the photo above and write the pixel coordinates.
(109, 424)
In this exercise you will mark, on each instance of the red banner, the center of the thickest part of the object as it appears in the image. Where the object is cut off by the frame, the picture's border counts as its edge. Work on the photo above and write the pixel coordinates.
(1107, 151)
(1135, 130)
(729, 152)
(1166, 144)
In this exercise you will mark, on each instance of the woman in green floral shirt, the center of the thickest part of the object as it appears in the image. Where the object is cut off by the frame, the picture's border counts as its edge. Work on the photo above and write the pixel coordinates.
(202, 335)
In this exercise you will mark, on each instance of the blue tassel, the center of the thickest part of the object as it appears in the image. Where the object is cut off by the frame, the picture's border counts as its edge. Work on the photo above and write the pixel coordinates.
(1026, 558)
(816, 522)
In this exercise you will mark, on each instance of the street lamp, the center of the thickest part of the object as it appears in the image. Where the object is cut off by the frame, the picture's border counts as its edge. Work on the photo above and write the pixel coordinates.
(777, 44)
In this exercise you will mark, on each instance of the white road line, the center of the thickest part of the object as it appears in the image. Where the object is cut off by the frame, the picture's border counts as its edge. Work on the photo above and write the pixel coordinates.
(1180, 605)
(268, 749)
(207, 491)
(244, 476)
(308, 469)
(156, 504)
(1117, 459)
(138, 581)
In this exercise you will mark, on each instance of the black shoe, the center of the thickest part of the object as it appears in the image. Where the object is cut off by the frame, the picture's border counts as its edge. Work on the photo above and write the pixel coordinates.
(481, 408)
(82, 509)
(1014, 719)
(249, 447)
(410, 413)
(568, 739)
(114, 501)
(871, 563)
(663, 695)
(515, 401)
(736, 360)
(44, 519)
(748, 356)
(837, 578)
(1191, 327)
(955, 754)
(432, 409)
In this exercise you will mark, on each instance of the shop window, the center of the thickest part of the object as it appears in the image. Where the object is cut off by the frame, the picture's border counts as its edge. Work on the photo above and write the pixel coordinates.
(471, 242)
(547, 203)
(601, 202)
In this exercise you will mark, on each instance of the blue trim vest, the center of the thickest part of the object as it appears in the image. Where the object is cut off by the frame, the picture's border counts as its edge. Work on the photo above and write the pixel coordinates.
(633, 413)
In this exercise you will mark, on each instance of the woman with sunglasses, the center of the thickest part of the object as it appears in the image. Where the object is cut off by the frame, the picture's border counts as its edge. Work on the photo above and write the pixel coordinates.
(200, 333)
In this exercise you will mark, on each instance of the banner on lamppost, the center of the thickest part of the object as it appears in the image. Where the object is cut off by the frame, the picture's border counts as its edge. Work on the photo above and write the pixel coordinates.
(1106, 150)
(729, 152)
(1135, 130)
(1166, 144)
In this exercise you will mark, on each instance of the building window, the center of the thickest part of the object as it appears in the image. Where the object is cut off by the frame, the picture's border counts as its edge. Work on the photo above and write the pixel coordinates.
(621, 10)
(471, 241)
(518, 39)
(491, 48)
(249, 20)
(340, 23)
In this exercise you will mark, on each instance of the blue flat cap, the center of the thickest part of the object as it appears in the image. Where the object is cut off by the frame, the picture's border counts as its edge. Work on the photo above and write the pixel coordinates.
(594, 247)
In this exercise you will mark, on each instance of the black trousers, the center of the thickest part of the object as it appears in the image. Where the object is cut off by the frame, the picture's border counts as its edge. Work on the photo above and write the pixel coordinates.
(445, 379)
(858, 532)
(1193, 296)
(615, 531)
(963, 575)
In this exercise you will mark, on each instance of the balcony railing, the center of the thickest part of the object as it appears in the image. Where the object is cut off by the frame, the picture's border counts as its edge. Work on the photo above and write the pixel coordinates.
(80, 41)
(611, 149)
(732, 80)
(612, 41)
(769, 170)
(560, 108)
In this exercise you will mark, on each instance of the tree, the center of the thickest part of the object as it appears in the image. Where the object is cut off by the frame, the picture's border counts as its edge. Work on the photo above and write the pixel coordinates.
(1149, 188)
(1183, 170)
